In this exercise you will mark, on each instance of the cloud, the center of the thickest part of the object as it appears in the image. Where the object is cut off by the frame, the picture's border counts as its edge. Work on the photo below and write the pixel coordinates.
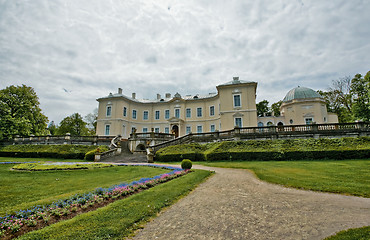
(90, 48)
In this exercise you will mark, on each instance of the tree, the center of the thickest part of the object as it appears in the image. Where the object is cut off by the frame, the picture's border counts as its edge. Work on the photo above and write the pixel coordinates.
(262, 108)
(360, 88)
(52, 128)
(338, 99)
(275, 108)
(349, 98)
(20, 113)
(74, 125)
(91, 120)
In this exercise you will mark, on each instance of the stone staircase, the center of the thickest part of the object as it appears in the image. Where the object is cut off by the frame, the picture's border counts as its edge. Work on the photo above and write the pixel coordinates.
(126, 156)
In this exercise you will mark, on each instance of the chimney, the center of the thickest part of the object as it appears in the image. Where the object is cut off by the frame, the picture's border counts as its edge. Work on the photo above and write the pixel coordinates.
(168, 95)
(119, 90)
(133, 95)
(158, 96)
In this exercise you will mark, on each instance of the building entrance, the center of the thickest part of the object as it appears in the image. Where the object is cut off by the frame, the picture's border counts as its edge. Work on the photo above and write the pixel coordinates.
(175, 130)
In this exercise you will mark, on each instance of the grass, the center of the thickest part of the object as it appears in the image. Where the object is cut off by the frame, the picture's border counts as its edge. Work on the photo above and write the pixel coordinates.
(11, 159)
(349, 177)
(42, 166)
(355, 233)
(121, 218)
(22, 190)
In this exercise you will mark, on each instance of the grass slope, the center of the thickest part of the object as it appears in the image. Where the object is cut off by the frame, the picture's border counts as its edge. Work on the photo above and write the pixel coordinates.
(351, 234)
(123, 217)
(351, 177)
(22, 190)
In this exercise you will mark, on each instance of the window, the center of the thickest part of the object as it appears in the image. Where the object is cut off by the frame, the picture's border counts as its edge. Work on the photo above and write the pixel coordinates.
(237, 102)
(308, 120)
(188, 113)
(157, 114)
(199, 129)
(199, 112)
(166, 130)
(107, 130)
(166, 114)
(133, 129)
(211, 110)
(124, 111)
(213, 127)
(156, 129)
(134, 114)
(109, 111)
(238, 122)
(145, 115)
(145, 130)
(177, 113)
(188, 129)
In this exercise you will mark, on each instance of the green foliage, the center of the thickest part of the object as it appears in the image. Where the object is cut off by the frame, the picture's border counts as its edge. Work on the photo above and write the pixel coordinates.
(66, 151)
(90, 155)
(192, 151)
(91, 120)
(349, 98)
(24, 189)
(275, 108)
(348, 177)
(262, 108)
(266, 150)
(52, 128)
(42, 166)
(120, 219)
(20, 113)
(186, 164)
(360, 88)
(75, 125)
(351, 234)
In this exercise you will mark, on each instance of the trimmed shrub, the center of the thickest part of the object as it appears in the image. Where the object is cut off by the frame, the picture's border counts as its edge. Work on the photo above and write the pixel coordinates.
(192, 151)
(266, 150)
(90, 155)
(186, 164)
(46, 151)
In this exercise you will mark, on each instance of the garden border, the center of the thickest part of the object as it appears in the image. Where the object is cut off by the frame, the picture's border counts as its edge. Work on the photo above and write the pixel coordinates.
(24, 221)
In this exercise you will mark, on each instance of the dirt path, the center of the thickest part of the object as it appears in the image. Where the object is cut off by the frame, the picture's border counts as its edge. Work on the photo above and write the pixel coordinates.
(234, 204)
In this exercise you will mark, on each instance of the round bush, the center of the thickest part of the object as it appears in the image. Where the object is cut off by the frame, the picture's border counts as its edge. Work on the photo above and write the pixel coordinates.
(186, 164)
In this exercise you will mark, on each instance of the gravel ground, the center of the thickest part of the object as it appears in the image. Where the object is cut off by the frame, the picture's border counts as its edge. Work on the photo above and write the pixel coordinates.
(234, 204)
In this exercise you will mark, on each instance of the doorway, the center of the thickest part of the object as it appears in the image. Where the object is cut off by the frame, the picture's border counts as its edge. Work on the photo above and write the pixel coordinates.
(175, 130)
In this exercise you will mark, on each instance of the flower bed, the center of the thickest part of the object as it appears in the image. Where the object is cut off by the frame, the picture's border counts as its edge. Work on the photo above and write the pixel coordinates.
(44, 166)
(40, 216)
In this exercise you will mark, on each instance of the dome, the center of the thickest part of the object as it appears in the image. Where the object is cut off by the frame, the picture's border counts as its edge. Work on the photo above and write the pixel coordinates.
(301, 93)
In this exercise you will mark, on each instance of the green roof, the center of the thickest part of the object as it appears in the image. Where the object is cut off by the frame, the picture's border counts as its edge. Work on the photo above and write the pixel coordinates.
(301, 93)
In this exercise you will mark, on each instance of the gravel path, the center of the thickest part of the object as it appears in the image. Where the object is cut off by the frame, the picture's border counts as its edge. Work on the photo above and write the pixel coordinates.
(234, 204)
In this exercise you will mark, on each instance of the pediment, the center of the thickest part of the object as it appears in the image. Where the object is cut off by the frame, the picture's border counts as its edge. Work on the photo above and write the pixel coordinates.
(175, 120)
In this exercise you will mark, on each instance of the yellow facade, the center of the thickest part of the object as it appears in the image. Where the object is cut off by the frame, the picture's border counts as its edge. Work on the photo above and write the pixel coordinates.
(119, 114)
(234, 104)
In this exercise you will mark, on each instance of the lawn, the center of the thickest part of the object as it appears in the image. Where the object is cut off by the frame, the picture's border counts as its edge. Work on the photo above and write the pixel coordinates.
(121, 218)
(11, 159)
(350, 177)
(22, 190)
(351, 234)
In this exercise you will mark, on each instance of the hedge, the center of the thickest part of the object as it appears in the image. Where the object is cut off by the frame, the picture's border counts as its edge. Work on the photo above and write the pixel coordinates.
(66, 151)
(265, 150)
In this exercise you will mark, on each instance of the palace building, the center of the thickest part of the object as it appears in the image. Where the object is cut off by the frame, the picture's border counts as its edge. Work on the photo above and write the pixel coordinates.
(233, 105)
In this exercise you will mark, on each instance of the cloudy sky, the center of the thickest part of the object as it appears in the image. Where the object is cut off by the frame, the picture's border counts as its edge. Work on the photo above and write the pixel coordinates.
(75, 51)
